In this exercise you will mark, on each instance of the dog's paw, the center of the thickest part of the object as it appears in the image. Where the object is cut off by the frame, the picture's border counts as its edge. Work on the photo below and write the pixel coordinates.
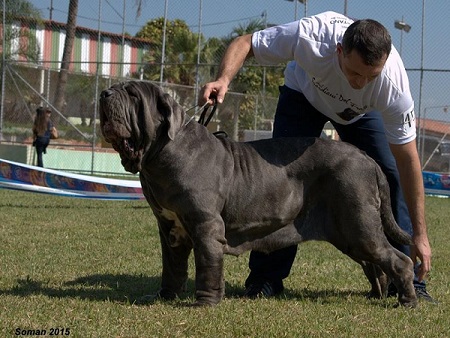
(147, 299)
(375, 294)
(411, 304)
(163, 294)
(201, 304)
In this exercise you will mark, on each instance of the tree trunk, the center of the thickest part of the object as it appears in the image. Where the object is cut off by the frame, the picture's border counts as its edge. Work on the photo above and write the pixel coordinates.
(67, 53)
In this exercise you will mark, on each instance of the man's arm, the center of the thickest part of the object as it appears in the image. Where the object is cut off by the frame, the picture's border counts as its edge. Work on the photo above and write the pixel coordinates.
(237, 52)
(411, 180)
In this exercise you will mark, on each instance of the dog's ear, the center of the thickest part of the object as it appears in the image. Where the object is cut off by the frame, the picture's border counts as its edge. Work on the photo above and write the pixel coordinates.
(172, 112)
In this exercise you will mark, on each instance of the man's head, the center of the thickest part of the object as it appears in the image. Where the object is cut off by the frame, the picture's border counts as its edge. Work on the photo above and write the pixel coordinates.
(365, 48)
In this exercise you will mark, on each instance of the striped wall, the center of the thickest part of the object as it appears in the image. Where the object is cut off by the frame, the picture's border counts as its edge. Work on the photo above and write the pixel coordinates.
(86, 53)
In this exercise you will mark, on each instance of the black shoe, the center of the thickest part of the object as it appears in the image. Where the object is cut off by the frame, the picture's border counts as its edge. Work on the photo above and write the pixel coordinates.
(392, 290)
(422, 293)
(262, 289)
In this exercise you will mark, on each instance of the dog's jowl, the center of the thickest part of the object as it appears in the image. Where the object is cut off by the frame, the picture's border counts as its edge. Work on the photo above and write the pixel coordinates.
(214, 196)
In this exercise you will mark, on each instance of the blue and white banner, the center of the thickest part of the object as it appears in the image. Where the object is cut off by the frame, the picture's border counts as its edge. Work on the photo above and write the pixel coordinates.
(436, 184)
(18, 176)
(24, 177)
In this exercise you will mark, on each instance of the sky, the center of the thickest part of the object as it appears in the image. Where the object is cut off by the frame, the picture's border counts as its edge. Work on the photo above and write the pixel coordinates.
(219, 17)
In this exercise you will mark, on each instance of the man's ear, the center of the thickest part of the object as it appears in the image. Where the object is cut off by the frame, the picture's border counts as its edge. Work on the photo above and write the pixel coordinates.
(339, 49)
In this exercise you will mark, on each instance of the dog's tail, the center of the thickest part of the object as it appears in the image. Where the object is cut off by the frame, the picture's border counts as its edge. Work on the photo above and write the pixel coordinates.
(390, 226)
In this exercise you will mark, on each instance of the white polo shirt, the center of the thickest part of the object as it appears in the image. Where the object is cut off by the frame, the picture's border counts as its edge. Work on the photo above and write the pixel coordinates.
(310, 46)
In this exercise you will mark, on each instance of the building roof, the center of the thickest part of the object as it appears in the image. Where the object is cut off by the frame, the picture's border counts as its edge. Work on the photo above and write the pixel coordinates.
(433, 126)
(62, 25)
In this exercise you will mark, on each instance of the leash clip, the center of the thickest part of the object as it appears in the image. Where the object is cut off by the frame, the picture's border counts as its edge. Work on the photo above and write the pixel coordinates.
(195, 112)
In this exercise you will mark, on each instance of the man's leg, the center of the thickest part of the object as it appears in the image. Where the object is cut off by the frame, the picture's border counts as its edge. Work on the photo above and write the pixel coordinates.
(294, 117)
(368, 135)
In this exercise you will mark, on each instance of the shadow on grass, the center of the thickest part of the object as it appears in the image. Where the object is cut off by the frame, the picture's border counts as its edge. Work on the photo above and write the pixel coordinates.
(122, 288)
(303, 294)
(64, 206)
(128, 289)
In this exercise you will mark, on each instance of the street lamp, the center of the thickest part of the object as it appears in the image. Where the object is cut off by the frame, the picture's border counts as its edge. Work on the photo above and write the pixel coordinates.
(199, 50)
(403, 26)
(304, 2)
(163, 51)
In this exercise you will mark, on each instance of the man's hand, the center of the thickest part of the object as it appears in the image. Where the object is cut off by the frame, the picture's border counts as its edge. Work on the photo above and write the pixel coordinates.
(213, 92)
(421, 250)
(237, 52)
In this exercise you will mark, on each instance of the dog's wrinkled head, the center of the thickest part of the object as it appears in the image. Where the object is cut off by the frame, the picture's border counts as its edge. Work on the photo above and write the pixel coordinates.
(133, 116)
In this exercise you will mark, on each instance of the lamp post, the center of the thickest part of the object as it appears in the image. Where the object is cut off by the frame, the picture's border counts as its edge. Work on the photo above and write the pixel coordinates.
(403, 26)
(199, 50)
(421, 70)
(304, 2)
(163, 51)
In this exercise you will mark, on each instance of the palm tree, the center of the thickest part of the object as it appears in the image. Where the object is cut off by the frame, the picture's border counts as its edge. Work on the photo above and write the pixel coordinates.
(180, 51)
(250, 78)
(255, 80)
(65, 62)
(251, 27)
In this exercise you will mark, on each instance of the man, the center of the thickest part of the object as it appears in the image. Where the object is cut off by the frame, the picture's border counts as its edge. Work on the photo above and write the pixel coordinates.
(347, 73)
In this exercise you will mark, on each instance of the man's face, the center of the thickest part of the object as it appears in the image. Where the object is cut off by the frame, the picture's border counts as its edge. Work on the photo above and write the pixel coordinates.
(358, 73)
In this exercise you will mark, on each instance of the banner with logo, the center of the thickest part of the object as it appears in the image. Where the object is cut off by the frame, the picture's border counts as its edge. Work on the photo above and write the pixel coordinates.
(24, 177)
(436, 184)
(18, 176)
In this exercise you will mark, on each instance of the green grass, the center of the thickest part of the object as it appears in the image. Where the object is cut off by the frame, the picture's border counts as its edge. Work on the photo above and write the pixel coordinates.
(81, 264)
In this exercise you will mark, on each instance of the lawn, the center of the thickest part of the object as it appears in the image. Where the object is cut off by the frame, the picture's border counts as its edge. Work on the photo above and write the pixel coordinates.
(74, 267)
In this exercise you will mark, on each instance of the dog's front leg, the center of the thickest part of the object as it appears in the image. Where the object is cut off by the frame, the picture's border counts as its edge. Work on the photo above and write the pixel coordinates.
(175, 262)
(208, 252)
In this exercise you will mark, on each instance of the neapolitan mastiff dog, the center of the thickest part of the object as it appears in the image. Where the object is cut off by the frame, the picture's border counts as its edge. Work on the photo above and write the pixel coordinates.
(217, 196)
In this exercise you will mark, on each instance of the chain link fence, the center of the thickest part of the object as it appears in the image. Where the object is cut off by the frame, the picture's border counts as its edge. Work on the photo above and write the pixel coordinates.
(180, 55)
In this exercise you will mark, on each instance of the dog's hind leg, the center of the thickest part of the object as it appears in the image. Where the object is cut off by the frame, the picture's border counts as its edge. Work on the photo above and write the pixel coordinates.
(377, 279)
(397, 266)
